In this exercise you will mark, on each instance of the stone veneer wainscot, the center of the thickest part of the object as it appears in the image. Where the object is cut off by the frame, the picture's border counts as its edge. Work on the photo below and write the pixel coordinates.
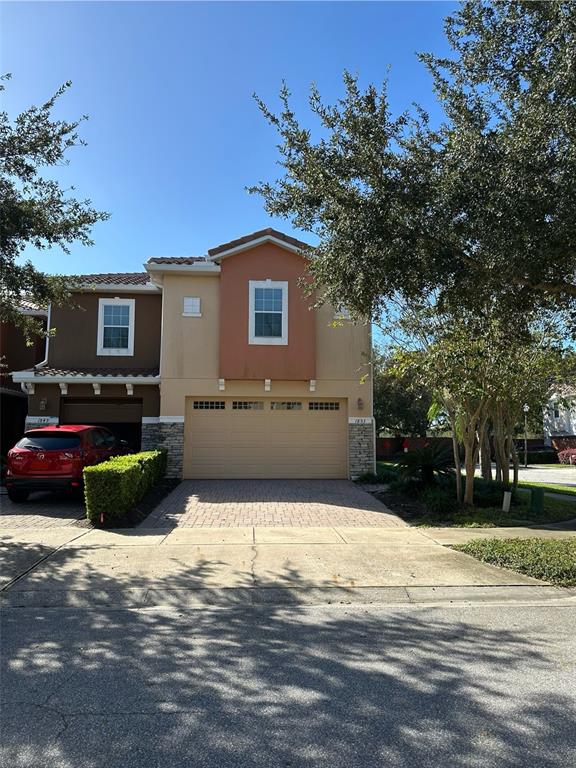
(170, 436)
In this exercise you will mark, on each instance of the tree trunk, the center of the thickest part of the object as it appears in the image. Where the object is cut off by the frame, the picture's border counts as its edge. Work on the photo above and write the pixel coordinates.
(457, 462)
(501, 449)
(485, 456)
(515, 463)
(470, 457)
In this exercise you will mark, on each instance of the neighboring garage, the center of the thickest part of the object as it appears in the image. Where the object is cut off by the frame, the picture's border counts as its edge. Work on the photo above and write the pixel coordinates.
(265, 438)
(123, 417)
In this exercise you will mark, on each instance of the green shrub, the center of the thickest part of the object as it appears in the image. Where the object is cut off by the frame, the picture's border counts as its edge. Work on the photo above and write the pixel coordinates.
(439, 502)
(426, 465)
(387, 475)
(368, 477)
(539, 457)
(114, 487)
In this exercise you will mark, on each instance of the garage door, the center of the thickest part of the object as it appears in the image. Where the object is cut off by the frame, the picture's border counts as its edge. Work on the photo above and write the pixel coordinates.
(265, 438)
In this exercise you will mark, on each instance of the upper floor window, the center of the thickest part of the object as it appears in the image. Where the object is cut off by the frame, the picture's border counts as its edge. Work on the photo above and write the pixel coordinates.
(268, 312)
(116, 326)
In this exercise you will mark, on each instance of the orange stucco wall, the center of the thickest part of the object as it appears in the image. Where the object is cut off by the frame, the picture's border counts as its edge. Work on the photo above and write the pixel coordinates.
(238, 358)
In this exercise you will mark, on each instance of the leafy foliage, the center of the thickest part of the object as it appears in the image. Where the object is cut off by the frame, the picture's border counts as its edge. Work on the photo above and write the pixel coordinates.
(401, 405)
(114, 487)
(426, 465)
(479, 209)
(567, 456)
(34, 210)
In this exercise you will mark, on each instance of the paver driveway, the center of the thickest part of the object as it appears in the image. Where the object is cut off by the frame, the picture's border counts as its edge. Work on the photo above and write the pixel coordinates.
(42, 510)
(238, 503)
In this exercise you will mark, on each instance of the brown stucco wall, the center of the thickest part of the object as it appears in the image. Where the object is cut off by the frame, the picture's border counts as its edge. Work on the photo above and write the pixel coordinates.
(241, 360)
(150, 396)
(74, 344)
(16, 355)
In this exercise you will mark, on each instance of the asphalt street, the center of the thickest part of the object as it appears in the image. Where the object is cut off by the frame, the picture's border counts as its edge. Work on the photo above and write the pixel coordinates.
(341, 686)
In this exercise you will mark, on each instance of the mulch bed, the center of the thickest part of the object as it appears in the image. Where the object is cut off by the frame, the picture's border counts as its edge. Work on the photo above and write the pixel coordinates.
(405, 507)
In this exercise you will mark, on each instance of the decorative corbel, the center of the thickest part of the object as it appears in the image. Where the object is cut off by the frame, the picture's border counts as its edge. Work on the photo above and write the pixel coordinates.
(267, 385)
(221, 384)
(97, 388)
(129, 389)
(312, 385)
(63, 387)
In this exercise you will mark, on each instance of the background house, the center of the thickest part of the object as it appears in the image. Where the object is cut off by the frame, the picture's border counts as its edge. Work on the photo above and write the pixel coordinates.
(560, 418)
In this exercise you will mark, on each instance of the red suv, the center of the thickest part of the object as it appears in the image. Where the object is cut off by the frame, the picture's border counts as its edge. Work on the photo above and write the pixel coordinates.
(52, 458)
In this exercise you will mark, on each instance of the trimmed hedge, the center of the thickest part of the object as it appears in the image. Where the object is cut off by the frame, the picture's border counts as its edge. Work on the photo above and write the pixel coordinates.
(114, 487)
(549, 456)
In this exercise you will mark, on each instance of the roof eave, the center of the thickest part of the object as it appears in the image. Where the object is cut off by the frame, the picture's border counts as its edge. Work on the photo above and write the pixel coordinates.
(149, 287)
(202, 268)
(26, 377)
(253, 243)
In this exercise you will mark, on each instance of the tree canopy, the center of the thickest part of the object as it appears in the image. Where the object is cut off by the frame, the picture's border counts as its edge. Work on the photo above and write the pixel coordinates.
(478, 210)
(35, 210)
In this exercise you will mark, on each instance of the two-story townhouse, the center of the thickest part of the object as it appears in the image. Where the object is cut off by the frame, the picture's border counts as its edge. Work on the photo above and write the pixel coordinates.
(250, 381)
(102, 364)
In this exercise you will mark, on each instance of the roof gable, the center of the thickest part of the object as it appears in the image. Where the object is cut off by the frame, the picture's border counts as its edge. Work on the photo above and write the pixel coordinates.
(260, 237)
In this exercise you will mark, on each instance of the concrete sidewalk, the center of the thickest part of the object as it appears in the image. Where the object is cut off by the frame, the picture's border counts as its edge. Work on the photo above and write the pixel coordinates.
(189, 567)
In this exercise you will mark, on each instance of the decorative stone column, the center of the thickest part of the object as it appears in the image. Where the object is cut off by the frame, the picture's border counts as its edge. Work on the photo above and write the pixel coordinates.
(361, 456)
(168, 435)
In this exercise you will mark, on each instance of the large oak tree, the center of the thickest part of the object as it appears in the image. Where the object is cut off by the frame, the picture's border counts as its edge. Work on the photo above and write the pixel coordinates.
(479, 210)
(35, 210)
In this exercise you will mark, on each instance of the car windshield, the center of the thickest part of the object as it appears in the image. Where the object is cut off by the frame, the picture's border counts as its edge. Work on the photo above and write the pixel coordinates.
(49, 441)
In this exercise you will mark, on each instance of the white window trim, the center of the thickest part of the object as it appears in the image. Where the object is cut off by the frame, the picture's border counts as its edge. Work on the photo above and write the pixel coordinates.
(267, 340)
(102, 351)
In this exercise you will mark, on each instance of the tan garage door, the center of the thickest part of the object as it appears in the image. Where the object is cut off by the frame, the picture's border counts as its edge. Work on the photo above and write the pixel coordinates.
(265, 438)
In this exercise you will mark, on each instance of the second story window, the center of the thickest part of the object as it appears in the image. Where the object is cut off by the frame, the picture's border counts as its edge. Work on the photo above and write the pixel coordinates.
(116, 327)
(268, 309)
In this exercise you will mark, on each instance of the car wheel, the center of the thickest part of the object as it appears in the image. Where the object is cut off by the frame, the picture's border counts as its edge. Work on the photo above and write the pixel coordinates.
(18, 497)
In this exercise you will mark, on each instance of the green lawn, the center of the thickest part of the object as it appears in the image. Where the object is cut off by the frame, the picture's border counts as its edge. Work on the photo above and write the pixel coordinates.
(568, 490)
(549, 560)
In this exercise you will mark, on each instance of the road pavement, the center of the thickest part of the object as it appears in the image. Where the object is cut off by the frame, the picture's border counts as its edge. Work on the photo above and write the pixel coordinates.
(334, 686)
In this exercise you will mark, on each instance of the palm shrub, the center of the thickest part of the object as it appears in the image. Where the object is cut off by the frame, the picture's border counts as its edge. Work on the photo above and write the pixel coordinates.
(426, 465)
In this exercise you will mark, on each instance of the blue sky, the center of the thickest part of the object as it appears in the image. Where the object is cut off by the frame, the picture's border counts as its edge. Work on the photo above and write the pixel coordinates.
(174, 135)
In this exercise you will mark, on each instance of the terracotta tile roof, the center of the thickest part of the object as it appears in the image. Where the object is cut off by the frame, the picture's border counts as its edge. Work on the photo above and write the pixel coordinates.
(26, 305)
(114, 278)
(175, 259)
(87, 372)
(269, 232)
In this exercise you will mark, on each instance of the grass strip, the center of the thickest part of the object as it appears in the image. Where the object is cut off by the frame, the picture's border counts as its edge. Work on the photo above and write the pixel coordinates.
(549, 560)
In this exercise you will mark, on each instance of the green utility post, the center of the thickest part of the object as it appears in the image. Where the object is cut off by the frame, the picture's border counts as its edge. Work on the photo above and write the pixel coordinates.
(537, 501)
